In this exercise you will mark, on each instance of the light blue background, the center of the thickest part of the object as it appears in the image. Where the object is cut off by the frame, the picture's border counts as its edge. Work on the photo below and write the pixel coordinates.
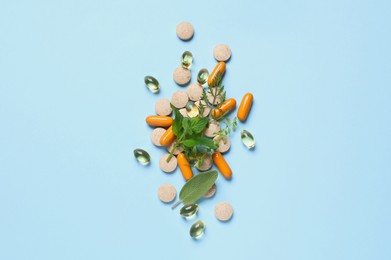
(73, 104)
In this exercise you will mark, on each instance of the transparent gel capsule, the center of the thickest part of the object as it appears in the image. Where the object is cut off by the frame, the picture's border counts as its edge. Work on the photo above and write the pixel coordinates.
(189, 210)
(186, 59)
(152, 84)
(202, 76)
(142, 156)
(197, 229)
(247, 139)
(191, 109)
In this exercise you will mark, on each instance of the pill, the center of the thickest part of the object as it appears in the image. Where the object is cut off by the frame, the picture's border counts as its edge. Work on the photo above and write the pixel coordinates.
(247, 139)
(203, 108)
(162, 121)
(222, 165)
(179, 99)
(215, 95)
(223, 108)
(189, 210)
(205, 162)
(223, 142)
(163, 107)
(212, 128)
(222, 52)
(202, 76)
(197, 229)
(223, 211)
(166, 193)
(156, 135)
(167, 137)
(142, 156)
(184, 166)
(152, 84)
(181, 76)
(245, 106)
(211, 192)
(169, 166)
(220, 67)
(183, 111)
(185, 31)
(177, 150)
(194, 92)
(191, 109)
(186, 59)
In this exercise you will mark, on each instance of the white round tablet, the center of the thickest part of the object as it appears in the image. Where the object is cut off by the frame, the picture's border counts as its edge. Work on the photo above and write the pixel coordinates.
(179, 99)
(156, 135)
(223, 211)
(181, 76)
(212, 129)
(168, 166)
(211, 192)
(185, 31)
(162, 107)
(203, 107)
(194, 91)
(224, 143)
(177, 151)
(222, 52)
(166, 193)
(215, 96)
(206, 164)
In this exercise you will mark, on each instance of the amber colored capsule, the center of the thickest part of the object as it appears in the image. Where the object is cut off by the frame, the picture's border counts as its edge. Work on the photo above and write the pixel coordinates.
(225, 107)
(161, 121)
(167, 137)
(245, 106)
(184, 165)
(220, 67)
(222, 165)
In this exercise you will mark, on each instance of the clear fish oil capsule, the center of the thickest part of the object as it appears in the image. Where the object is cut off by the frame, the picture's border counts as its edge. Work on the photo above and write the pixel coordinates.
(152, 84)
(197, 229)
(202, 76)
(142, 156)
(247, 139)
(191, 109)
(186, 59)
(189, 210)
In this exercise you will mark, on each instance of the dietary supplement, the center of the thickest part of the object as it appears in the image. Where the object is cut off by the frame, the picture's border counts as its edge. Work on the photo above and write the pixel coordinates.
(211, 192)
(197, 229)
(162, 121)
(179, 99)
(156, 135)
(223, 211)
(213, 127)
(206, 162)
(166, 193)
(186, 59)
(162, 107)
(202, 76)
(185, 31)
(224, 108)
(220, 67)
(184, 166)
(167, 137)
(168, 166)
(181, 76)
(222, 165)
(223, 142)
(152, 84)
(142, 156)
(245, 106)
(222, 52)
(247, 139)
(194, 91)
(189, 210)
(192, 109)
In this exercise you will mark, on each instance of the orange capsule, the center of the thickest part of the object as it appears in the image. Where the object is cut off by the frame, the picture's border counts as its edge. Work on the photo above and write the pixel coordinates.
(222, 165)
(184, 165)
(220, 67)
(167, 137)
(225, 107)
(245, 106)
(162, 121)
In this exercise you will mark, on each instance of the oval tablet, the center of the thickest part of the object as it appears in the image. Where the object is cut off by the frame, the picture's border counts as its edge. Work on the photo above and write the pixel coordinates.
(179, 99)
(222, 52)
(181, 76)
(223, 211)
(162, 107)
(166, 193)
(168, 166)
(156, 135)
(185, 31)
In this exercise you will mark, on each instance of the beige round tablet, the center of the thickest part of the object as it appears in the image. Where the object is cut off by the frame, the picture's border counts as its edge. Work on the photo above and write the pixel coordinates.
(156, 135)
(211, 192)
(224, 143)
(206, 164)
(183, 112)
(179, 99)
(181, 76)
(212, 129)
(162, 107)
(215, 96)
(177, 150)
(168, 166)
(184, 31)
(222, 52)
(223, 211)
(203, 107)
(166, 193)
(194, 91)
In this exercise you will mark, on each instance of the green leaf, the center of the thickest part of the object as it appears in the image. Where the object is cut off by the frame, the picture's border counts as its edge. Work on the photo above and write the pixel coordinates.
(199, 140)
(177, 125)
(198, 124)
(197, 186)
(186, 125)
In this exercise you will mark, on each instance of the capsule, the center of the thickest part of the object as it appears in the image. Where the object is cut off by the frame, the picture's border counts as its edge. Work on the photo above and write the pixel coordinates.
(202, 76)
(160, 121)
(184, 165)
(191, 109)
(247, 139)
(152, 84)
(222, 165)
(142, 156)
(220, 67)
(245, 106)
(197, 229)
(188, 211)
(224, 108)
(167, 137)
(186, 59)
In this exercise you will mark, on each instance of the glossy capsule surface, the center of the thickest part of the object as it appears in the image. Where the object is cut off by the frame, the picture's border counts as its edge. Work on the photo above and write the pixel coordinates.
(247, 139)
(184, 166)
(167, 137)
(197, 229)
(220, 67)
(245, 106)
(222, 165)
(189, 210)
(152, 84)
(224, 108)
(191, 109)
(186, 59)
(142, 156)
(161, 121)
(202, 76)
